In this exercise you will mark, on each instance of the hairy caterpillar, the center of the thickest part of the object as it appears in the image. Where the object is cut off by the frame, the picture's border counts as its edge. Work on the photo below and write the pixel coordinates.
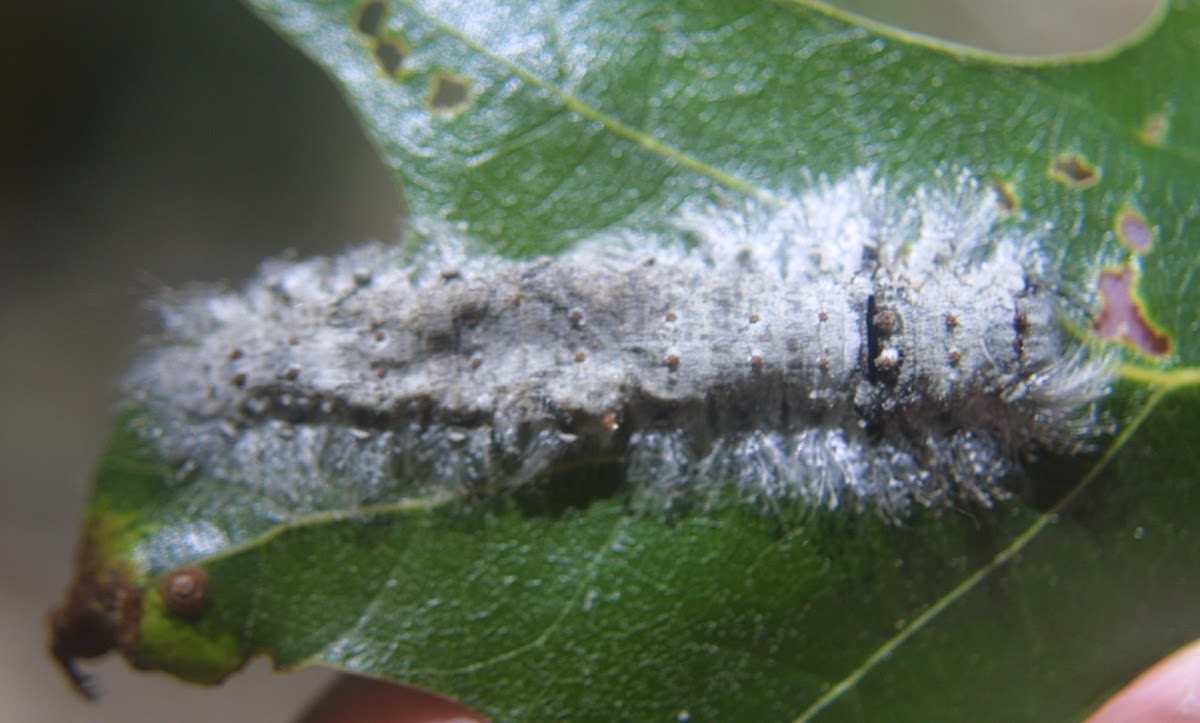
(849, 349)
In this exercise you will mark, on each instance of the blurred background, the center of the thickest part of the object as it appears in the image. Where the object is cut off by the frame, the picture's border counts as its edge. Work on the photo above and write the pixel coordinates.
(148, 143)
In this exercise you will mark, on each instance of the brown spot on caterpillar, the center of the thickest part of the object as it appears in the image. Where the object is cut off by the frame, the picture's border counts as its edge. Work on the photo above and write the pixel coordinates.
(672, 361)
(1021, 323)
(580, 357)
(476, 362)
(756, 361)
(610, 421)
(823, 363)
(239, 380)
(822, 316)
(236, 354)
(102, 612)
(576, 317)
(185, 591)
(470, 314)
(450, 274)
(754, 318)
(954, 357)
(1021, 328)
(292, 374)
(1074, 170)
(951, 321)
(1134, 231)
(886, 322)
(1122, 317)
(380, 336)
(293, 341)
(670, 317)
(381, 372)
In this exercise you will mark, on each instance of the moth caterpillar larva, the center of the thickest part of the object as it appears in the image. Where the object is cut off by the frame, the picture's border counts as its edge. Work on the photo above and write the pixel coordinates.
(850, 349)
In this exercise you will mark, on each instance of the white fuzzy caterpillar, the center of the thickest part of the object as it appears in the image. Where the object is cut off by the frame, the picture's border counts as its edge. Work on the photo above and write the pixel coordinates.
(851, 349)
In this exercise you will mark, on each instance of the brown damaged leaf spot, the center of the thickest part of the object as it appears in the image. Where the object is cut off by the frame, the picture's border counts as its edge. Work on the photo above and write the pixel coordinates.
(102, 612)
(370, 17)
(1074, 170)
(1006, 197)
(1134, 231)
(448, 94)
(1154, 130)
(391, 55)
(1122, 318)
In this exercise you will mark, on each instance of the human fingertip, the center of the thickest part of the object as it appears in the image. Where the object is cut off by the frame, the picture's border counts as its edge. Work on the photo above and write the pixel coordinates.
(354, 699)
(1169, 692)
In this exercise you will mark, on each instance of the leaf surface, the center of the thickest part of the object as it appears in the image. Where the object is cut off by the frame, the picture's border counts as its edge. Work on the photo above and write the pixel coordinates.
(540, 123)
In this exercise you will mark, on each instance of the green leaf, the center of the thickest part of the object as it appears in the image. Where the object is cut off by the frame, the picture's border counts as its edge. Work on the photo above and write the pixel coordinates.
(539, 123)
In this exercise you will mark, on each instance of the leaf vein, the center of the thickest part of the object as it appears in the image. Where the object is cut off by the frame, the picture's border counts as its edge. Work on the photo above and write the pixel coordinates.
(1002, 558)
(609, 122)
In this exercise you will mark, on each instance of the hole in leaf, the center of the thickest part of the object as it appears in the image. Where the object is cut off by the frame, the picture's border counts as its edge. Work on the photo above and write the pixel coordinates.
(1074, 170)
(448, 94)
(391, 55)
(1122, 317)
(371, 17)
(1154, 129)
(1134, 231)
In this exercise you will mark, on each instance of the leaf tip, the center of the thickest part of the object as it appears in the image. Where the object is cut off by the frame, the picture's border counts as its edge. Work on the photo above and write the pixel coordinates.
(102, 611)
